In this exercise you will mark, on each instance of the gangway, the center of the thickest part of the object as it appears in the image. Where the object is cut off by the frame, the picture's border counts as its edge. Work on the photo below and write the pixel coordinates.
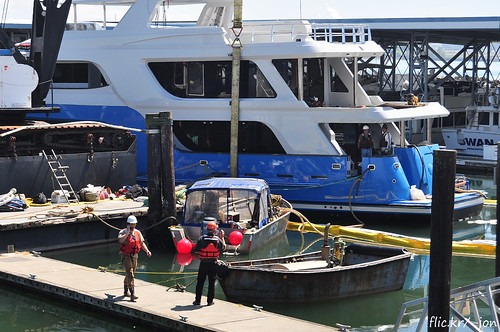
(471, 307)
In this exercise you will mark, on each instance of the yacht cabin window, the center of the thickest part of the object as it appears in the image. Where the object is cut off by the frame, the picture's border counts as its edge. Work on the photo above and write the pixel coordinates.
(313, 78)
(214, 136)
(495, 119)
(484, 118)
(210, 79)
(77, 75)
(336, 84)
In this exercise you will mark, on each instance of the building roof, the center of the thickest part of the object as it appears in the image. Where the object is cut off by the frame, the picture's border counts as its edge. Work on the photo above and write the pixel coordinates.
(449, 30)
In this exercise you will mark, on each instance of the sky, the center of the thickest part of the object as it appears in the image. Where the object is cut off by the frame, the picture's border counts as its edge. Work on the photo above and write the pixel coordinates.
(20, 10)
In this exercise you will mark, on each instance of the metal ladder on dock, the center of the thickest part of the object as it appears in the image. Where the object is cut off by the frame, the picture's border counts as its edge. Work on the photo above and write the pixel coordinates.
(59, 172)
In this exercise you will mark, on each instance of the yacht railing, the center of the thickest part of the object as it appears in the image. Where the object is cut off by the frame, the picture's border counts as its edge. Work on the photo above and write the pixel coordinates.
(465, 305)
(341, 33)
(266, 32)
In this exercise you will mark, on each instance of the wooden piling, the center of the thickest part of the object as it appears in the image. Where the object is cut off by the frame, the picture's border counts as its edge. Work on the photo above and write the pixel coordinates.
(235, 88)
(443, 193)
(167, 163)
(154, 166)
(161, 181)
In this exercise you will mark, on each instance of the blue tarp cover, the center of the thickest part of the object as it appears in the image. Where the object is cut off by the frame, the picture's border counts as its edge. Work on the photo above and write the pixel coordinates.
(256, 185)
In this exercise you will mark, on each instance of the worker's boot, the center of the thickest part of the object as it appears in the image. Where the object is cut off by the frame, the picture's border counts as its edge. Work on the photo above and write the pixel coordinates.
(125, 291)
(132, 295)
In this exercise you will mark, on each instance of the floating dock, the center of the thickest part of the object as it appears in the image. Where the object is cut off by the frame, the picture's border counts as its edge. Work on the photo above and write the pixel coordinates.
(476, 165)
(55, 226)
(156, 306)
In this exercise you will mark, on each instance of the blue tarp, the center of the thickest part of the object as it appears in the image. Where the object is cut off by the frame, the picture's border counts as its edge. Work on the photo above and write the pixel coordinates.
(256, 185)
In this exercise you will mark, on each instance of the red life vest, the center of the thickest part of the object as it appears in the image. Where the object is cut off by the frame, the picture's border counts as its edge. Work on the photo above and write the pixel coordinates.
(211, 251)
(132, 244)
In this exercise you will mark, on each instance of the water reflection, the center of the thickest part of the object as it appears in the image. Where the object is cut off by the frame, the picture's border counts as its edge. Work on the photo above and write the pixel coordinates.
(20, 311)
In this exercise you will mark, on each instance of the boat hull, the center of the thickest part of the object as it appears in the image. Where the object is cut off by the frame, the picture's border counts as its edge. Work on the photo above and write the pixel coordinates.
(469, 142)
(311, 182)
(31, 175)
(367, 275)
(253, 239)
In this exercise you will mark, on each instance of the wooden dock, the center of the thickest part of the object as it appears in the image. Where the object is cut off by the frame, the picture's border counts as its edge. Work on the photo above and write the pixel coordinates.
(155, 307)
(62, 226)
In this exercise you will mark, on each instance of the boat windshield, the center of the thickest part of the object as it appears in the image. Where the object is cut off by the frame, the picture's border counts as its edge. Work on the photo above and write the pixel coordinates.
(226, 206)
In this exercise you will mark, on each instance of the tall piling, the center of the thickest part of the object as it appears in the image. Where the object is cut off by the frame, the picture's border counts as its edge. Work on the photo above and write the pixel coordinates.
(443, 199)
(153, 123)
(167, 164)
(235, 88)
(161, 180)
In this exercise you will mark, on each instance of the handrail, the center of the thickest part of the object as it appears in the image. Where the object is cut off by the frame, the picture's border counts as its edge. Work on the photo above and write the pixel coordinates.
(463, 308)
(269, 32)
(342, 33)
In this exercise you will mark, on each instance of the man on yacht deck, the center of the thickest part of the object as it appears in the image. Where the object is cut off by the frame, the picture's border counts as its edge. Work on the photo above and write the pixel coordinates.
(385, 141)
(365, 142)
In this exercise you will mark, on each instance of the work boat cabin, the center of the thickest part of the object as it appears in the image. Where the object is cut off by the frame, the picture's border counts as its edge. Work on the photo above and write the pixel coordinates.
(241, 207)
(301, 103)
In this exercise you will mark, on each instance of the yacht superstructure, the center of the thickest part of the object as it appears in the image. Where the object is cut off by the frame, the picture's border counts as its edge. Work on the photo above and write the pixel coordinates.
(301, 105)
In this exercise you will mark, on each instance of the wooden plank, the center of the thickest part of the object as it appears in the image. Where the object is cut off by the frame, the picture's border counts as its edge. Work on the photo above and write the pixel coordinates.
(155, 307)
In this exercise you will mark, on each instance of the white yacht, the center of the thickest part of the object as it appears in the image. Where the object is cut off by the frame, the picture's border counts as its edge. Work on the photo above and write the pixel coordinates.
(301, 106)
(482, 128)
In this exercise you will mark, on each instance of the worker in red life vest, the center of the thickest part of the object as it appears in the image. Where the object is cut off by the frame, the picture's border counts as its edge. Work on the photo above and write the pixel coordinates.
(131, 241)
(208, 248)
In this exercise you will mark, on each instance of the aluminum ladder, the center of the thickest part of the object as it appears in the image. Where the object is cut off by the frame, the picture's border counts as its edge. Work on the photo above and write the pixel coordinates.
(59, 172)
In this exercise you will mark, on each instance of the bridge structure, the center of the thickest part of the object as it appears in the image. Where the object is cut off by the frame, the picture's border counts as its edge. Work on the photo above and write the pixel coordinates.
(435, 58)
(414, 50)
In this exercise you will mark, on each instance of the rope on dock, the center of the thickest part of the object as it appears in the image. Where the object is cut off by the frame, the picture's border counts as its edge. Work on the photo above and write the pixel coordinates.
(119, 229)
(104, 269)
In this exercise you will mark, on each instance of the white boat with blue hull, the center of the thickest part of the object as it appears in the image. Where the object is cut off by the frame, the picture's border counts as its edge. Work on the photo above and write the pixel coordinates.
(301, 105)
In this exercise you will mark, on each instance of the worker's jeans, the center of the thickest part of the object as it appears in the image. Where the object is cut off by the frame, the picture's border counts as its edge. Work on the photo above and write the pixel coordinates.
(130, 264)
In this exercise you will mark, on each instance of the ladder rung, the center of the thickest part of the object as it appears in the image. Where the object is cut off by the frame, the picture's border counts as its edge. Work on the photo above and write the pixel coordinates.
(55, 166)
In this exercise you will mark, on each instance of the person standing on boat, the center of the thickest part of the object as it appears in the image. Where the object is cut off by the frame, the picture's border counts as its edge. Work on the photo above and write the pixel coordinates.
(208, 248)
(365, 142)
(385, 141)
(131, 241)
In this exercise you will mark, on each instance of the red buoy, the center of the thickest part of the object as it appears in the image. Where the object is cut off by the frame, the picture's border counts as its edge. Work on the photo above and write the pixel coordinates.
(184, 246)
(235, 238)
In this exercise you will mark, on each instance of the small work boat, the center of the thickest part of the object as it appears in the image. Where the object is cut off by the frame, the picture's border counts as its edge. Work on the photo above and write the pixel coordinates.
(361, 270)
(243, 208)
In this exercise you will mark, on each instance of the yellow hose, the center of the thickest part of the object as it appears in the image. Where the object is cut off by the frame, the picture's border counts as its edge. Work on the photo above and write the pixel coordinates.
(416, 245)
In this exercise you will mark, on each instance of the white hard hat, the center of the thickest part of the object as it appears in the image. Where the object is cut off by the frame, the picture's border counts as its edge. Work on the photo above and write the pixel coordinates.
(132, 220)
(366, 127)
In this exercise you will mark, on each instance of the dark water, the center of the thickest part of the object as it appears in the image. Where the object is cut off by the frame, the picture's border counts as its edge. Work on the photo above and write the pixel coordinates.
(21, 311)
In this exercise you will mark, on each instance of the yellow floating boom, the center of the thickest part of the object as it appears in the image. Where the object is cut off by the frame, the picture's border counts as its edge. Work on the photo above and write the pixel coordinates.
(414, 244)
